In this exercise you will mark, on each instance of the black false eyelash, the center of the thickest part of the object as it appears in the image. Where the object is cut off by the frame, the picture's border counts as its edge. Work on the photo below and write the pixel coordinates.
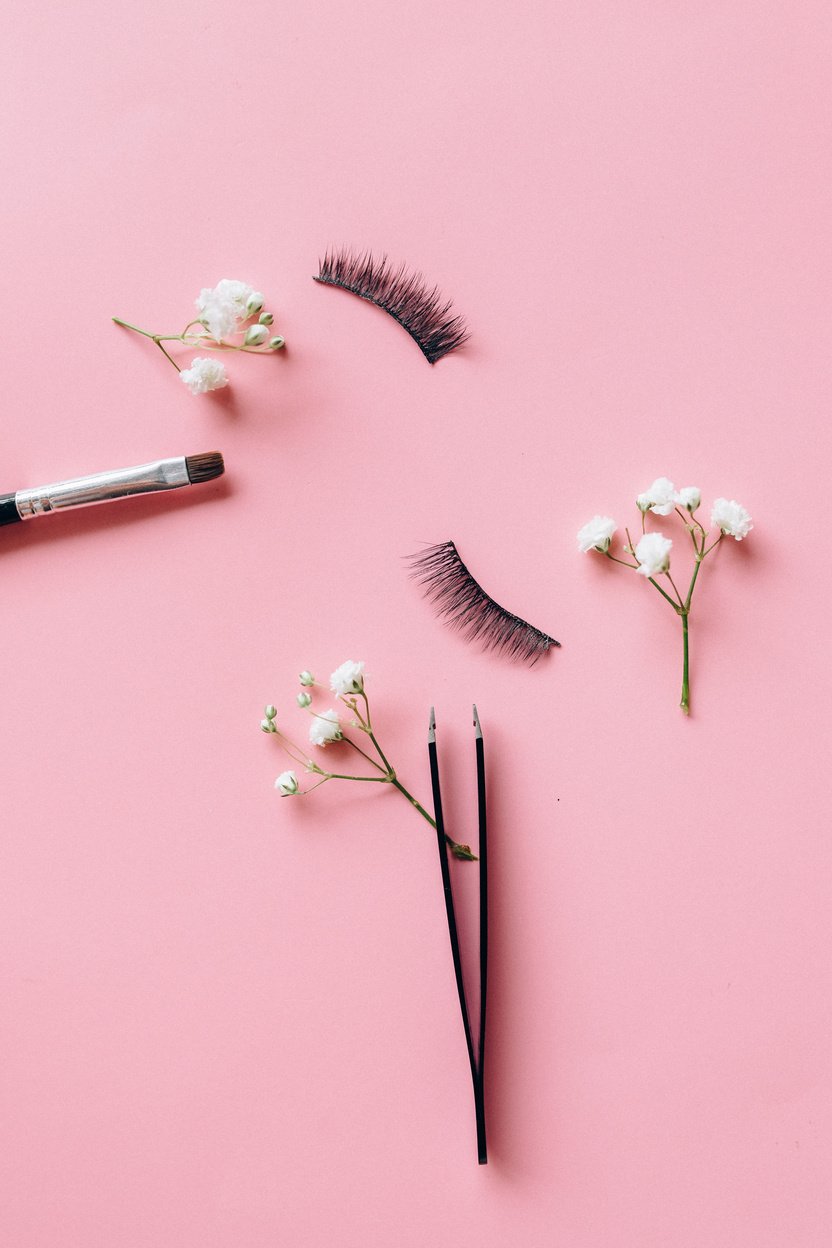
(405, 296)
(465, 605)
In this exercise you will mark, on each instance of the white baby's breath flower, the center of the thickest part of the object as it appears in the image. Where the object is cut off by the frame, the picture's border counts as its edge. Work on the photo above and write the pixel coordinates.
(689, 497)
(256, 335)
(287, 784)
(660, 497)
(325, 728)
(732, 518)
(653, 554)
(223, 308)
(596, 534)
(204, 375)
(347, 679)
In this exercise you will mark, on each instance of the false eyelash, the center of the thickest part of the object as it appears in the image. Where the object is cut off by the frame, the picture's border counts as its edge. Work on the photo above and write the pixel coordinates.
(405, 296)
(465, 605)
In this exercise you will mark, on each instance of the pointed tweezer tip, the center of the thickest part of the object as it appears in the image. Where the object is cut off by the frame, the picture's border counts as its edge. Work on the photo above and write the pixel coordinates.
(432, 726)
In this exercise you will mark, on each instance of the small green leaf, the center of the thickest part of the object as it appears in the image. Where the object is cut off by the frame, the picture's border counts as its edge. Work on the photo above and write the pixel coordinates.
(464, 852)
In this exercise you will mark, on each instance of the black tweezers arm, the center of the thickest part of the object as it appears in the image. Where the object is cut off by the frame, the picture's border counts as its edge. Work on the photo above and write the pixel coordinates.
(483, 864)
(476, 1068)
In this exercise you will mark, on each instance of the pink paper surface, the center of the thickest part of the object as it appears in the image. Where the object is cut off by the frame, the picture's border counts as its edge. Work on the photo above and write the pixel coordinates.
(229, 1021)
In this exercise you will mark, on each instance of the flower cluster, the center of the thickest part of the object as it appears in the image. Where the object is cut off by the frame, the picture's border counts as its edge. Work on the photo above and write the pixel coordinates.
(326, 729)
(651, 554)
(231, 318)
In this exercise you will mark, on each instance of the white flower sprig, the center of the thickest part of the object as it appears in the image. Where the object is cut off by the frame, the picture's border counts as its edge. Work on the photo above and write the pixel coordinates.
(652, 553)
(326, 729)
(226, 322)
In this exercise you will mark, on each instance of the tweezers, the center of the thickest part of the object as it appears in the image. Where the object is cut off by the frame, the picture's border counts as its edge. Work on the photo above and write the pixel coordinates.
(475, 1057)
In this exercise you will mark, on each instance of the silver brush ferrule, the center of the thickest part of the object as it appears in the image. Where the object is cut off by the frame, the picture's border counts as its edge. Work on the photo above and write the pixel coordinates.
(103, 487)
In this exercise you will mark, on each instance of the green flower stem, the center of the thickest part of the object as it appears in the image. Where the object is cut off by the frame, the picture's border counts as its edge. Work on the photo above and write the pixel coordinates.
(398, 785)
(388, 775)
(363, 754)
(696, 567)
(334, 775)
(157, 338)
(678, 595)
(196, 342)
(682, 606)
(381, 753)
(135, 328)
(685, 614)
(294, 752)
(691, 525)
(458, 851)
(167, 355)
(657, 586)
(368, 728)
(306, 792)
(685, 702)
(200, 343)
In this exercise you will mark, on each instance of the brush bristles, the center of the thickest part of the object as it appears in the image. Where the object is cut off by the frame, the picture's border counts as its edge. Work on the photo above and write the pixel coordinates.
(204, 467)
(405, 296)
(465, 605)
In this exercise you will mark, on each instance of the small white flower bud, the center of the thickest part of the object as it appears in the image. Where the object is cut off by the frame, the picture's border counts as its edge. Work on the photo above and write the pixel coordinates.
(256, 335)
(304, 700)
(266, 318)
(306, 678)
(277, 342)
(690, 498)
(265, 725)
(287, 784)
(254, 303)
(270, 712)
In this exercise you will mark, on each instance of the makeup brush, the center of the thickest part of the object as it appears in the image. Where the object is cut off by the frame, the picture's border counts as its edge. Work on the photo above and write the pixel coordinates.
(106, 487)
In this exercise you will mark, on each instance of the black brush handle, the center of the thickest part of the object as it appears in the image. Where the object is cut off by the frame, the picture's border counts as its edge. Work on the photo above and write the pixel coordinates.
(8, 509)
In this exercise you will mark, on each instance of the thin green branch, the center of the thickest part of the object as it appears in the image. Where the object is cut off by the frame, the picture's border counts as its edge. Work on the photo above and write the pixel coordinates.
(167, 356)
(664, 595)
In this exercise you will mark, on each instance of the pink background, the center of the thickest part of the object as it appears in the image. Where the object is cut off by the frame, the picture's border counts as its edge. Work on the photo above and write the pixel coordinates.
(229, 1021)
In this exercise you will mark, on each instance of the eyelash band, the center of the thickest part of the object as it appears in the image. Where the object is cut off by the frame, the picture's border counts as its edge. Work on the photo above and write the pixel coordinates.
(405, 296)
(465, 605)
